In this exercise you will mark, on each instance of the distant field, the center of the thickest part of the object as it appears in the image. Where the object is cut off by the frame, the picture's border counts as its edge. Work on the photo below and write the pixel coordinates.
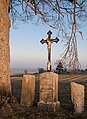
(62, 77)
(72, 77)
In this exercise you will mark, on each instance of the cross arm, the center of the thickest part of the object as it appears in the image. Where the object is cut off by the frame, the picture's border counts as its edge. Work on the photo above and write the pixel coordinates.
(43, 41)
(54, 40)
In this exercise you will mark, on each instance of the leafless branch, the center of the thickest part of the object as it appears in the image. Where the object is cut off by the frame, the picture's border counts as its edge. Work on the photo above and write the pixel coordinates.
(62, 15)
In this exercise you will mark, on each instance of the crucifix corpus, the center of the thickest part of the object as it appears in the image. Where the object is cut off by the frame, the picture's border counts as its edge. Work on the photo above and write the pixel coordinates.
(49, 41)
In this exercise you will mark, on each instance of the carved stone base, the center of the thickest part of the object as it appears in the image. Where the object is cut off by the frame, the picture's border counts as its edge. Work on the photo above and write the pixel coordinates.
(49, 106)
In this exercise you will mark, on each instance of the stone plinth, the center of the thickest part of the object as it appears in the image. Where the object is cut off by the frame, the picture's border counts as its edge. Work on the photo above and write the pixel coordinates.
(49, 106)
(48, 90)
(77, 96)
(28, 90)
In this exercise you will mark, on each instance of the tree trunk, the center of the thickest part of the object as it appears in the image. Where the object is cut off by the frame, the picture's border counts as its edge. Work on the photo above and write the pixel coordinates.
(5, 86)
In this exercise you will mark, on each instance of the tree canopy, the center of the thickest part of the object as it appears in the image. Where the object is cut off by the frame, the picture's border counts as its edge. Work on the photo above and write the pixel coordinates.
(63, 15)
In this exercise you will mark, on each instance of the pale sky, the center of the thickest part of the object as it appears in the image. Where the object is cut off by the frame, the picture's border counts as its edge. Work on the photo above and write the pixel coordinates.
(26, 51)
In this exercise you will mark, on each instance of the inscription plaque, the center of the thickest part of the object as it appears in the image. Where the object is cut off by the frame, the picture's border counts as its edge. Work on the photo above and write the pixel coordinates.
(48, 87)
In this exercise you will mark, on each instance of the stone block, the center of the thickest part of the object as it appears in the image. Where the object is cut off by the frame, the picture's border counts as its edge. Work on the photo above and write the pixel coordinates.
(28, 90)
(49, 106)
(49, 90)
(41, 104)
(77, 96)
(48, 87)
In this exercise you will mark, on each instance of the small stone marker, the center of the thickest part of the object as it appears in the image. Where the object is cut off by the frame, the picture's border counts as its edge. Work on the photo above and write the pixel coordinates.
(77, 96)
(49, 91)
(28, 90)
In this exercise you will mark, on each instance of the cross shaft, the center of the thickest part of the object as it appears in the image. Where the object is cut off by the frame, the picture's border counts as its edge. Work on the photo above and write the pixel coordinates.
(49, 42)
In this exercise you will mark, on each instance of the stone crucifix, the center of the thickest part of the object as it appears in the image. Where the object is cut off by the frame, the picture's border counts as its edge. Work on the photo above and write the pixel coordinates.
(49, 41)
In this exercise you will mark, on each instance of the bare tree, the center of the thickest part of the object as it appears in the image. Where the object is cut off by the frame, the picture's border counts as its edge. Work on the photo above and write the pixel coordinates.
(5, 87)
(59, 14)
(63, 15)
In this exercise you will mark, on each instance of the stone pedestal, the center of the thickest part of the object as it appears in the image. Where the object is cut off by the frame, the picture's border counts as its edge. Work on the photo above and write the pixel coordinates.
(77, 96)
(49, 91)
(28, 90)
(49, 106)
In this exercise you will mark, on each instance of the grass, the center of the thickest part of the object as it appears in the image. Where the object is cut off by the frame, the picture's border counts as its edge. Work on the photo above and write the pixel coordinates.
(65, 112)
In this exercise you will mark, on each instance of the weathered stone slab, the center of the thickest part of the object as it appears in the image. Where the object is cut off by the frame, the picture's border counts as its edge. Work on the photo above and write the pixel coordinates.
(28, 90)
(48, 89)
(77, 96)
